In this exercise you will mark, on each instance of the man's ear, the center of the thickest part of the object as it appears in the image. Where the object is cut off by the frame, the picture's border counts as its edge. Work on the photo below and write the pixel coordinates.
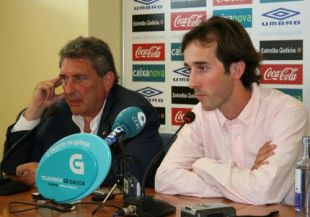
(108, 80)
(237, 69)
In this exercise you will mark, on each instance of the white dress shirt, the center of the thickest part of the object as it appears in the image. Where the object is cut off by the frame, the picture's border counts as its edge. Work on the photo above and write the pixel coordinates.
(213, 156)
(24, 124)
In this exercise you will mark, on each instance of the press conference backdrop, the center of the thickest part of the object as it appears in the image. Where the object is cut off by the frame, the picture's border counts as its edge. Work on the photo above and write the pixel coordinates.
(153, 62)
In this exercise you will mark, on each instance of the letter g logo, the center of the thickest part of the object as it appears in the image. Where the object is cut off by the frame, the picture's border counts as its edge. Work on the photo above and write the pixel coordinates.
(76, 164)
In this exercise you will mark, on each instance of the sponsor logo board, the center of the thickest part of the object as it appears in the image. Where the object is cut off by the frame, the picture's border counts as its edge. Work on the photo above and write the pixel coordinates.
(147, 5)
(186, 20)
(148, 22)
(178, 114)
(231, 2)
(243, 16)
(282, 49)
(183, 95)
(151, 73)
(188, 3)
(148, 52)
(182, 74)
(281, 17)
(281, 73)
(152, 94)
(176, 53)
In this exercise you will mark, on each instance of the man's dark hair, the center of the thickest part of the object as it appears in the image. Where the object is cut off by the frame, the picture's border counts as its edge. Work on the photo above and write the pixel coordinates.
(233, 45)
(94, 49)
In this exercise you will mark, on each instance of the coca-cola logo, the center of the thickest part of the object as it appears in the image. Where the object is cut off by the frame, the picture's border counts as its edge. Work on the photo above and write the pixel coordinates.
(191, 21)
(152, 52)
(148, 52)
(179, 117)
(281, 74)
(187, 20)
(178, 114)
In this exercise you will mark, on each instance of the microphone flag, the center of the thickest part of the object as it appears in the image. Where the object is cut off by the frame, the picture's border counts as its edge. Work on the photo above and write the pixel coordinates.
(73, 167)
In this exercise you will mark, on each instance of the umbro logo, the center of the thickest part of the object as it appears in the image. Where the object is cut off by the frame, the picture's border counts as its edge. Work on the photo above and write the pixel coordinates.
(182, 71)
(146, 2)
(281, 14)
(149, 92)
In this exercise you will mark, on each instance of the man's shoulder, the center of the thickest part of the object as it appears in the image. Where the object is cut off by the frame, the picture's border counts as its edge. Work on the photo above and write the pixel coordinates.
(275, 97)
(122, 93)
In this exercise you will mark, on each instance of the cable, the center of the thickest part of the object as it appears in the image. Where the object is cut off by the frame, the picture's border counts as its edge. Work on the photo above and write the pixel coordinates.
(53, 206)
(105, 199)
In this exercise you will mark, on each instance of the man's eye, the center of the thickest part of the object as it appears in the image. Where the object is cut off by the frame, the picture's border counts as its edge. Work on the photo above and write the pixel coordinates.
(203, 68)
(80, 78)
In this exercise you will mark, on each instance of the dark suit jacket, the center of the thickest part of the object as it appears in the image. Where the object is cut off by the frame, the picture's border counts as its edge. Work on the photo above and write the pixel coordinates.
(138, 151)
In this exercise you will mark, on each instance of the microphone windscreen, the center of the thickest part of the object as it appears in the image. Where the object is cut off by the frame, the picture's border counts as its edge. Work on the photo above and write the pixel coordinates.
(73, 167)
(189, 117)
(131, 120)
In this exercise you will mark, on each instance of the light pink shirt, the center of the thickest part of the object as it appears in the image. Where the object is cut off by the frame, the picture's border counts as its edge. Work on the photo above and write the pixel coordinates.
(213, 156)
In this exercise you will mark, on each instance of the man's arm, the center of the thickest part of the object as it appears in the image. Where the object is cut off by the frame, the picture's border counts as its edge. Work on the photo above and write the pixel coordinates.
(200, 176)
(22, 137)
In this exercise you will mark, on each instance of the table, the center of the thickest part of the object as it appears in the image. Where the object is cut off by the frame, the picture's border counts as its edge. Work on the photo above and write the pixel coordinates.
(178, 201)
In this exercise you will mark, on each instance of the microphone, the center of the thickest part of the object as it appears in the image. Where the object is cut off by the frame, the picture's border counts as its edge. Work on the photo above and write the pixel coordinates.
(128, 123)
(9, 186)
(134, 195)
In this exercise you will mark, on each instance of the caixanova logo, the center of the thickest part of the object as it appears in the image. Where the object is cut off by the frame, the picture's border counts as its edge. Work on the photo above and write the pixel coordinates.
(187, 20)
(281, 73)
(231, 2)
(178, 114)
(148, 52)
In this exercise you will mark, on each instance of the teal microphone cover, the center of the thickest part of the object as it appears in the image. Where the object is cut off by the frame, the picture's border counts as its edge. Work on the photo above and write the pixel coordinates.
(131, 120)
(73, 167)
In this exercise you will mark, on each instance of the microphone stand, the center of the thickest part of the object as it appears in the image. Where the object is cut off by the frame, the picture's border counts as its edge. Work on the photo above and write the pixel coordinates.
(147, 206)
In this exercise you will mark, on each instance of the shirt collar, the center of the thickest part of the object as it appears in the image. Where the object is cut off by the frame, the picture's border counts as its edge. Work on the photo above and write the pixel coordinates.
(94, 124)
(248, 114)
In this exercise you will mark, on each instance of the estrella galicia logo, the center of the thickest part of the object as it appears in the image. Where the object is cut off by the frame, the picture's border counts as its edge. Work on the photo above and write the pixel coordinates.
(270, 1)
(296, 93)
(243, 16)
(176, 53)
(188, 3)
(282, 49)
(151, 73)
(183, 95)
(149, 93)
(281, 17)
(148, 22)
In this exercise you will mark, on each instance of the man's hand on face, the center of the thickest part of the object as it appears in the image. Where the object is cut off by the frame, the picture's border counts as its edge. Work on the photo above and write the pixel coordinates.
(44, 96)
(264, 153)
(27, 172)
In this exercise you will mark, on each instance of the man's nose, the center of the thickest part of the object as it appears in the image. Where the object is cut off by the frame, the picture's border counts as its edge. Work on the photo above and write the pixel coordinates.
(193, 80)
(68, 86)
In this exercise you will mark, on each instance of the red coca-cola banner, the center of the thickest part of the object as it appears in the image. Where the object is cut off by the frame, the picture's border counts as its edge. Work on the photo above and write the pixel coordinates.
(148, 52)
(281, 73)
(177, 115)
(187, 20)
